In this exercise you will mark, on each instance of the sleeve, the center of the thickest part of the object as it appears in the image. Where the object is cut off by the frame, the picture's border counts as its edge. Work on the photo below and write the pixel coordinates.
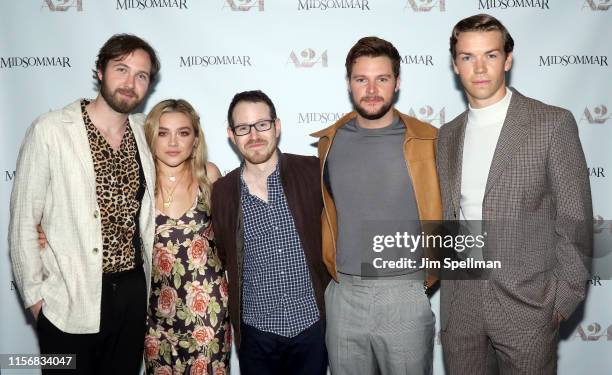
(32, 178)
(568, 175)
(214, 202)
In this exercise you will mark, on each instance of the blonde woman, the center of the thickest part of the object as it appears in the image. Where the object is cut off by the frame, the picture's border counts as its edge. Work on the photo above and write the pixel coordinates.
(187, 325)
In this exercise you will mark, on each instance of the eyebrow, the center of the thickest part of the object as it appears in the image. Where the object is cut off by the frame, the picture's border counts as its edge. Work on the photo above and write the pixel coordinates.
(126, 66)
(256, 121)
(181, 128)
(364, 75)
(486, 52)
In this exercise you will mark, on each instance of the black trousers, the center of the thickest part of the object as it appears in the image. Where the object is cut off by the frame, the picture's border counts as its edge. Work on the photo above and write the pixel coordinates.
(264, 353)
(118, 347)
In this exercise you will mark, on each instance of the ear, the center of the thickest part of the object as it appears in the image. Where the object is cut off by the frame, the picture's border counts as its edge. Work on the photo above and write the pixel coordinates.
(508, 62)
(100, 75)
(277, 127)
(455, 66)
(231, 135)
(397, 84)
(348, 84)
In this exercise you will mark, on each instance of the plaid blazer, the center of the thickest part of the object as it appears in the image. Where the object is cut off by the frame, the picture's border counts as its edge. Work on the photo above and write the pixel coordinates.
(537, 208)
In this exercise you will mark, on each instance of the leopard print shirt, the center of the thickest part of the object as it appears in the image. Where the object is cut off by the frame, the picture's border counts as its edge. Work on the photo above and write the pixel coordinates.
(120, 188)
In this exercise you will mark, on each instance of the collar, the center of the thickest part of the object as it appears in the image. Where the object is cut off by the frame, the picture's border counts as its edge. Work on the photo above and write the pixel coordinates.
(414, 127)
(275, 175)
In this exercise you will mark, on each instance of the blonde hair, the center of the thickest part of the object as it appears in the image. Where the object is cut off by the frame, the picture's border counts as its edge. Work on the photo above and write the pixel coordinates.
(199, 155)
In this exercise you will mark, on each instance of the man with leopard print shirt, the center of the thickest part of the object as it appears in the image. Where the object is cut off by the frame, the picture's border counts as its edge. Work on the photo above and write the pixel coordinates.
(86, 175)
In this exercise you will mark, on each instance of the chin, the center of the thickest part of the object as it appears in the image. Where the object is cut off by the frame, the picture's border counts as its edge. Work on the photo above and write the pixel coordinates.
(258, 158)
(173, 162)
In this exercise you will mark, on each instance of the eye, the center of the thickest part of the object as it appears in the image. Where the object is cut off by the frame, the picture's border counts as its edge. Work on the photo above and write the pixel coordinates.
(243, 129)
(263, 125)
(121, 69)
(360, 80)
(143, 77)
(465, 58)
(162, 133)
(185, 133)
(383, 79)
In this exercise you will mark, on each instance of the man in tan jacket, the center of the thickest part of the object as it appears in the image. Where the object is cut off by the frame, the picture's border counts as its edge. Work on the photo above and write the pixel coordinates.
(378, 175)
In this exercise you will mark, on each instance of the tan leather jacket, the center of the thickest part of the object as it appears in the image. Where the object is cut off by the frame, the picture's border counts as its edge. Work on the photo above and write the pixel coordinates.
(420, 155)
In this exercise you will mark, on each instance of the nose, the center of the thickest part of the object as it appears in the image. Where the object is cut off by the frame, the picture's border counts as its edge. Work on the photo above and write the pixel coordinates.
(371, 87)
(252, 132)
(173, 141)
(480, 66)
(130, 80)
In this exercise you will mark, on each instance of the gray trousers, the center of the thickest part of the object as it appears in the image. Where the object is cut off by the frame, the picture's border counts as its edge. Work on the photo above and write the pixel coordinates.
(378, 327)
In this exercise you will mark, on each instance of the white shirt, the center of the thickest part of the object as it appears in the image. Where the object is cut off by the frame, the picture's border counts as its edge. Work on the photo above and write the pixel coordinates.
(481, 134)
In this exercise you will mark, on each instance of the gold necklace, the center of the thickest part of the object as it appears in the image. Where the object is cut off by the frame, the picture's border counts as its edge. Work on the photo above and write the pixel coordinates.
(170, 178)
(168, 201)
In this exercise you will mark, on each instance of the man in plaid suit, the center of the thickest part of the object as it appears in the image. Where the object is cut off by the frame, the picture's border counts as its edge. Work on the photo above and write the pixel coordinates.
(516, 166)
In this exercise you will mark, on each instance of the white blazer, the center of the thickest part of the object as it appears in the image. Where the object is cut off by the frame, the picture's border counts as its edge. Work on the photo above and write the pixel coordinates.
(55, 186)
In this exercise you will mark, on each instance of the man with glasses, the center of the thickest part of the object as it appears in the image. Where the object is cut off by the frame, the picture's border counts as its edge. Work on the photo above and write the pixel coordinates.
(266, 217)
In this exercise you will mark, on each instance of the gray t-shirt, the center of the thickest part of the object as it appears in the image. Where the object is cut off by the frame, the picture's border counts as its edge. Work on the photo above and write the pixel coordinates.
(373, 193)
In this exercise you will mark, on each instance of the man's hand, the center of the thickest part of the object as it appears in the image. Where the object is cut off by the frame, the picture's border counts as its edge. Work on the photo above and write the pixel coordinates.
(35, 309)
(42, 239)
(42, 242)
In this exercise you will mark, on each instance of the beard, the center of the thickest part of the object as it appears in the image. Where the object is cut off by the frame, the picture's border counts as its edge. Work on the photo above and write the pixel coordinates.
(260, 156)
(116, 103)
(363, 112)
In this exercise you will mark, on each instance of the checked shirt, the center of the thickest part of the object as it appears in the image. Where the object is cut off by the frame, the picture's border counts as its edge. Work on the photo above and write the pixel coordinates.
(277, 294)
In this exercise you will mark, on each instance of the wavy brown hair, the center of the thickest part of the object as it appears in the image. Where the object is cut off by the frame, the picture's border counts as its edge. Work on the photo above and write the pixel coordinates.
(120, 45)
(480, 22)
(372, 46)
(199, 155)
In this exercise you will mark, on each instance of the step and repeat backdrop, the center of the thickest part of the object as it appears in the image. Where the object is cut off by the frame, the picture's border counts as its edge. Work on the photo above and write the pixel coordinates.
(294, 50)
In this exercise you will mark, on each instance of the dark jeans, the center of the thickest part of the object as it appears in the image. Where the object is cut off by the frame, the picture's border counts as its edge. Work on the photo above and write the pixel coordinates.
(118, 347)
(263, 353)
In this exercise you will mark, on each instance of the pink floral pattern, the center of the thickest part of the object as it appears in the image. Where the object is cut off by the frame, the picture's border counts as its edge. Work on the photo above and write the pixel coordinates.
(188, 330)
(163, 260)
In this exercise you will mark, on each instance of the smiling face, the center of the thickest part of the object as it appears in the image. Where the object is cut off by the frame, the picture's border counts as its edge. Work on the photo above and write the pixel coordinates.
(125, 81)
(256, 147)
(372, 85)
(176, 139)
(481, 64)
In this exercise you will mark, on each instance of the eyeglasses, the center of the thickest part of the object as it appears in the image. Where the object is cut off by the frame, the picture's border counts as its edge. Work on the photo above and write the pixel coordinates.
(260, 126)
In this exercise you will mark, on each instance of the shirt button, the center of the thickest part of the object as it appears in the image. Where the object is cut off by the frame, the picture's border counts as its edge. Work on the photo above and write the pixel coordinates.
(96, 214)
(95, 250)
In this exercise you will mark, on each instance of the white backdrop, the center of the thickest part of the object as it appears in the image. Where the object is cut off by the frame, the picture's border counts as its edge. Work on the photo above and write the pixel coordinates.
(294, 50)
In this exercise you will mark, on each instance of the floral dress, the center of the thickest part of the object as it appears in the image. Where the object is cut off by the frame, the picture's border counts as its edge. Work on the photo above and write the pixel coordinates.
(188, 330)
